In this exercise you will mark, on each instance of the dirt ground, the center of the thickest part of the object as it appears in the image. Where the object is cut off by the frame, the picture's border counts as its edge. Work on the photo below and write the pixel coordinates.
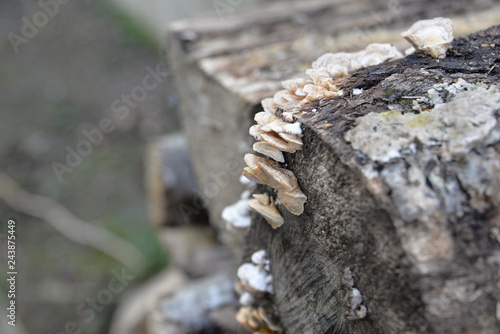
(57, 83)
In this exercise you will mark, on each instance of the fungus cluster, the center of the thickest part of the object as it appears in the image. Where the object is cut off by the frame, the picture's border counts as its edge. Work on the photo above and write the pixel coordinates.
(255, 283)
(264, 204)
(320, 81)
(433, 37)
(276, 134)
(238, 214)
(353, 299)
(282, 180)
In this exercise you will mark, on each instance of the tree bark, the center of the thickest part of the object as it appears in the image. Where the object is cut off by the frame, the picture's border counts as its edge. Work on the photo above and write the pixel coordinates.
(409, 208)
(419, 231)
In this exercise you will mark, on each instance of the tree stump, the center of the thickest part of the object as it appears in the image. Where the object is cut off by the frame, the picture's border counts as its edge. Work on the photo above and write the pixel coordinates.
(402, 199)
(406, 200)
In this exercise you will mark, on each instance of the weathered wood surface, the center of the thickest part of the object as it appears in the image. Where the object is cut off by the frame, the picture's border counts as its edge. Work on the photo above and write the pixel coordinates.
(417, 231)
(224, 67)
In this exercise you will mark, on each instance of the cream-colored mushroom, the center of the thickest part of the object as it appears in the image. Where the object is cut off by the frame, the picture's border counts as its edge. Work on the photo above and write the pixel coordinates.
(284, 97)
(257, 320)
(276, 133)
(264, 205)
(269, 105)
(433, 37)
(341, 63)
(295, 86)
(270, 151)
(329, 67)
(268, 172)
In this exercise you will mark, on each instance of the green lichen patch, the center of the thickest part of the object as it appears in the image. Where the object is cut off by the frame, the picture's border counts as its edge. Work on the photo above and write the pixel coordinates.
(452, 127)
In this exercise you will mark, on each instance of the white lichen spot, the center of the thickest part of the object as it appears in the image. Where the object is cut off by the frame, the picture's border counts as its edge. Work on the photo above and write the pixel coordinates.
(357, 91)
(246, 299)
(293, 128)
(433, 37)
(254, 276)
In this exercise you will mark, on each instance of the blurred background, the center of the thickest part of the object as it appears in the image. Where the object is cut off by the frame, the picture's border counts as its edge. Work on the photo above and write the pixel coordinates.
(84, 87)
(59, 79)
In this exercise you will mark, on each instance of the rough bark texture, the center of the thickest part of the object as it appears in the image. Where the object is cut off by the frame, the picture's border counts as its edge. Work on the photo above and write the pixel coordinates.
(408, 206)
(224, 67)
(417, 228)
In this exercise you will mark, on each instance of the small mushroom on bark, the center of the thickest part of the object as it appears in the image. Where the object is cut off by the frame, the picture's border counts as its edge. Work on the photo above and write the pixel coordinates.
(264, 205)
(433, 37)
(268, 172)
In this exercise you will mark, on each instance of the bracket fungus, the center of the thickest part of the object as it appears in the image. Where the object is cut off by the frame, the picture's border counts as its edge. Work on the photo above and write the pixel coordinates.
(268, 172)
(238, 214)
(255, 281)
(259, 320)
(320, 82)
(255, 278)
(275, 135)
(278, 134)
(433, 36)
(264, 205)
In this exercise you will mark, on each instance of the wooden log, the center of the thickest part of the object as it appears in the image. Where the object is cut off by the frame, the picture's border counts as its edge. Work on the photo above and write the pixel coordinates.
(416, 231)
(223, 68)
(408, 204)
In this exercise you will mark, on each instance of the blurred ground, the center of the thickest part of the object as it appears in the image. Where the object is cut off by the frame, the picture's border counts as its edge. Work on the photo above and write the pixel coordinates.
(62, 81)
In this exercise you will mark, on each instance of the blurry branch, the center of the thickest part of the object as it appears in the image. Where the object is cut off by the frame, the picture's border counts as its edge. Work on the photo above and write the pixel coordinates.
(70, 226)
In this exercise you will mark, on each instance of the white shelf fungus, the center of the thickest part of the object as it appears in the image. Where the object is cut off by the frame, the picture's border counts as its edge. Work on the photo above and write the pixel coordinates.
(256, 275)
(238, 214)
(268, 172)
(320, 82)
(355, 310)
(433, 37)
